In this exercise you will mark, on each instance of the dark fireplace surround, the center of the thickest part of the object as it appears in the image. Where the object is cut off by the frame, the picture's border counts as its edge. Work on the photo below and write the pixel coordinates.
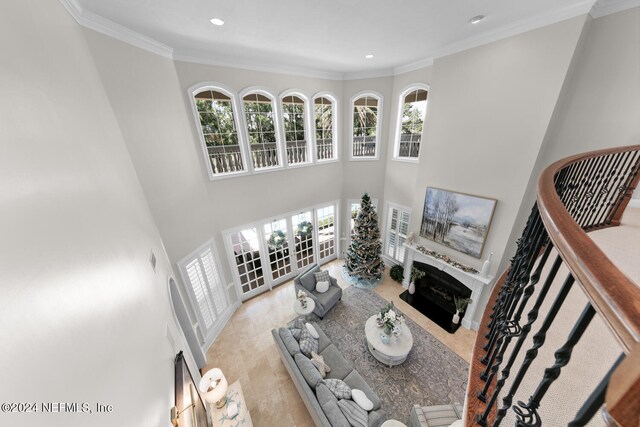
(434, 296)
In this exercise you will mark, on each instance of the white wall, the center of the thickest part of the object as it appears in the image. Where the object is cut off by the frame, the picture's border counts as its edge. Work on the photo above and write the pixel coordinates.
(488, 113)
(83, 314)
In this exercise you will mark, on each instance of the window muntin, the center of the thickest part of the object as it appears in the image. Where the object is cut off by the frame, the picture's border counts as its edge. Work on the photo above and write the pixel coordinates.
(303, 230)
(397, 229)
(325, 218)
(324, 110)
(261, 130)
(219, 132)
(248, 262)
(293, 113)
(414, 109)
(276, 235)
(365, 127)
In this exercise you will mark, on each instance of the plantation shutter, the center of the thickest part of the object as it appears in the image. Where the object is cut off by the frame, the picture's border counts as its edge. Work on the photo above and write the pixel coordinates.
(202, 275)
(397, 230)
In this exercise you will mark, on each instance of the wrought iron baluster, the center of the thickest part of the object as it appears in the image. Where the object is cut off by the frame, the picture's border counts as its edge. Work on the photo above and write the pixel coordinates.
(603, 193)
(532, 316)
(513, 329)
(527, 413)
(630, 175)
(595, 400)
(617, 187)
(594, 190)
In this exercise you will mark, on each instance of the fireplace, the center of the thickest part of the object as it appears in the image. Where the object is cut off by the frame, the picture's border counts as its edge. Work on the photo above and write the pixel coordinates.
(434, 296)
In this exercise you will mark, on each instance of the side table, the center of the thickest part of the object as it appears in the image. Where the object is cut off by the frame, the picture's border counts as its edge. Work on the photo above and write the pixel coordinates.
(219, 417)
(304, 312)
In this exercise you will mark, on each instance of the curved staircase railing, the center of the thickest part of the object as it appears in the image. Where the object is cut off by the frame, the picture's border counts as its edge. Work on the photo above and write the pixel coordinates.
(575, 195)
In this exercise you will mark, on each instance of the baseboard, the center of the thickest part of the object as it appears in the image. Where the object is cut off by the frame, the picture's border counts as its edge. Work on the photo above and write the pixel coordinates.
(634, 203)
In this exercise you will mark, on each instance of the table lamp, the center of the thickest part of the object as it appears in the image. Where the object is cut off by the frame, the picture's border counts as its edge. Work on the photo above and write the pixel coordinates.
(214, 387)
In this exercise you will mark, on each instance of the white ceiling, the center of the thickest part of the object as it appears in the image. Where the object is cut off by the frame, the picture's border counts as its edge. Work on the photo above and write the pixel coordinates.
(327, 37)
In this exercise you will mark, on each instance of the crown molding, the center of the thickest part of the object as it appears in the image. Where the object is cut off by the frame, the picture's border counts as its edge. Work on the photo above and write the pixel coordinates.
(202, 58)
(109, 28)
(427, 62)
(515, 28)
(607, 7)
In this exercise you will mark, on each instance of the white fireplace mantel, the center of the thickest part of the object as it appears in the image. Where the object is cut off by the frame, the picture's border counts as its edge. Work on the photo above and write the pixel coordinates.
(475, 282)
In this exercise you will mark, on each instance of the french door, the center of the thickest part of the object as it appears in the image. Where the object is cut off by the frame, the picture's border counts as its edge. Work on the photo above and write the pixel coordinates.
(247, 253)
(270, 252)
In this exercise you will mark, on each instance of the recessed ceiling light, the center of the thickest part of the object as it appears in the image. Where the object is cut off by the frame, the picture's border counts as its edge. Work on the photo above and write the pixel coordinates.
(369, 56)
(216, 21)
(476, 19)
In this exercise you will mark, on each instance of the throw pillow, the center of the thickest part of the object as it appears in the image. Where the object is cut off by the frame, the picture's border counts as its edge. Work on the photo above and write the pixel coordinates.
(308, 343)
(361, 399)
(356, 416)
(339, 388)
(297, 324)
(312, 330)
(308, 371)
(295, 332)
(322, 287)
(322, 276)
(318, 362)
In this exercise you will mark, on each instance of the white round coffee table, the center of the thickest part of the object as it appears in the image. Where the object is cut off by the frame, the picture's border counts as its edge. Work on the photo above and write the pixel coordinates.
(391, 354)
(304, 311)
(393, 423)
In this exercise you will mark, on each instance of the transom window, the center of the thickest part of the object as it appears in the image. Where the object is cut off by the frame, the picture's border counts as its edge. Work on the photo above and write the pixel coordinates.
(261, 130)
(323, 108)
(365, 112)
(294, 130)
(414, 109)
(219, 131)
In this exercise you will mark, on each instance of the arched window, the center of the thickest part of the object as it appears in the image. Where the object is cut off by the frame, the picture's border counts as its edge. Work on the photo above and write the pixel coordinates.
(261, 130)
(218, 126)
(411, 115)
(294, 121)
(366, 109)
(325, 117)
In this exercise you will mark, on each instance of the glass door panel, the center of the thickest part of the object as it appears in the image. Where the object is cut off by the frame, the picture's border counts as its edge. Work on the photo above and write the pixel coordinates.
(303, 236)
(276, 235)
(246, 251)
(325, 219)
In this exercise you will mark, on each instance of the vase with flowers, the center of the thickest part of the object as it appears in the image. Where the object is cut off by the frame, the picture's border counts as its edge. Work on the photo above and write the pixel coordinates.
(302, 297)
(390, 321)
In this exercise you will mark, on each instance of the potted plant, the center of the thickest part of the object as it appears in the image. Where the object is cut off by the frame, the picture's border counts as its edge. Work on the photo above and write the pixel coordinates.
(461, 305)
(415, 275)
(397, 273)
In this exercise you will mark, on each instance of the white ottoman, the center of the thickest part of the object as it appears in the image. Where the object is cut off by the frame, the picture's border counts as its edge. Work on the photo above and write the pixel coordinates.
(392, 423)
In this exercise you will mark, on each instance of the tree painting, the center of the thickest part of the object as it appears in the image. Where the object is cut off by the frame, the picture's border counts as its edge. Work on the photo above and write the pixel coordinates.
(457, 220)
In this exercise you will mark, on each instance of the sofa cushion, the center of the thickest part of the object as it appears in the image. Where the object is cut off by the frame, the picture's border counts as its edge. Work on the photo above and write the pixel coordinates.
(329, 298)
(356, 416)
(329, 404)
(339, 388)
(340, 368)
(308, 371)
(355, 380)
(308, 344)
(296, 333)
(308, 279)
(375, 419)
(289, 341)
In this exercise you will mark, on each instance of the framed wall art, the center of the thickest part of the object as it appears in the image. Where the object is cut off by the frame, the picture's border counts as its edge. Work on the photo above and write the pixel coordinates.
(459, 221)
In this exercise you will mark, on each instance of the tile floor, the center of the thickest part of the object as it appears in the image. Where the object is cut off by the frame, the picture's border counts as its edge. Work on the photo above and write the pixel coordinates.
(245, 350)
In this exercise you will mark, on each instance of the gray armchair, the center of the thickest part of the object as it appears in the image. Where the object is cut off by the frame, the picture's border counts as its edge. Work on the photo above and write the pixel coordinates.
(306, 281)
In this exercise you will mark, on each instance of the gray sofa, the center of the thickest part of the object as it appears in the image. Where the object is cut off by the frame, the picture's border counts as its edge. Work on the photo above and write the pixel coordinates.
(306, 281)
(435, 416)
(319, 400)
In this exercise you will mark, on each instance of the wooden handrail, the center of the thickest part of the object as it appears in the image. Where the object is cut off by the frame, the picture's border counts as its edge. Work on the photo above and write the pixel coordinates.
(614, 296)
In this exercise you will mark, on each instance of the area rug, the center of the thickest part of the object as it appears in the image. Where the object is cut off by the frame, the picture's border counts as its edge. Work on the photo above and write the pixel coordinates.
(431, 375)
(360, 283)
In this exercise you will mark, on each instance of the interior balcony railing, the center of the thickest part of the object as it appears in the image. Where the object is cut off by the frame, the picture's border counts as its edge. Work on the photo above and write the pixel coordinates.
(364, 146)
(227, 158)
(325, 149)
(575, 195)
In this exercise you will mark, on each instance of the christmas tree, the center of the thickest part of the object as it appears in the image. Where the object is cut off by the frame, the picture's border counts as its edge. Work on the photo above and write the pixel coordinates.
(364, 256)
